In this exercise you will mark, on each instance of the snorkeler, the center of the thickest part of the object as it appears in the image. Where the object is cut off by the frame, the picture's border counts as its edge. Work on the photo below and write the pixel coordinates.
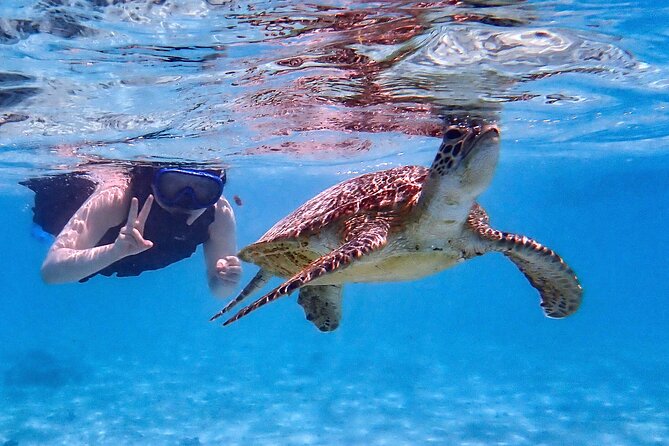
(124, 222)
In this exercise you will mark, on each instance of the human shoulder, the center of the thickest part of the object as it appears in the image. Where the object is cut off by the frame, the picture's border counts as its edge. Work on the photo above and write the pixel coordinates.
(111, 196)
(106, 176)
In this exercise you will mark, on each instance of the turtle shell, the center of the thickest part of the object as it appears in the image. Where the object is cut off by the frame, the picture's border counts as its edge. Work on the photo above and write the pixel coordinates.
(392, 191)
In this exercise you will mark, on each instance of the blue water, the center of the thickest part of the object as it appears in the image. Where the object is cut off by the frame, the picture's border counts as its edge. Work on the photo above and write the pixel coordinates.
(463, 357)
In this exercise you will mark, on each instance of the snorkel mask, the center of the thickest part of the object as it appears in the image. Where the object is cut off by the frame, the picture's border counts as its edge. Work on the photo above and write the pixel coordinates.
(187, 189)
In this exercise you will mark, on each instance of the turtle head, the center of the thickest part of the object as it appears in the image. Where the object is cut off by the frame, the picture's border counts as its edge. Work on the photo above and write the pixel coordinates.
(467, 157)
(478, 165)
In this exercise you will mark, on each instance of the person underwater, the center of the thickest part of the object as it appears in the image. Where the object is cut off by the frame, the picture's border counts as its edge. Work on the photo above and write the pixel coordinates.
(122, 222)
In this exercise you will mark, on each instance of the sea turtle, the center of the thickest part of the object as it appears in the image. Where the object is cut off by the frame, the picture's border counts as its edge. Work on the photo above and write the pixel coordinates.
(400, 224)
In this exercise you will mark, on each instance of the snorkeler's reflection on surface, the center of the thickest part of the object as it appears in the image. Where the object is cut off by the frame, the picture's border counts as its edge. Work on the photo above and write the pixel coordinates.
(402, 68)
(123, 219)
(400, 224)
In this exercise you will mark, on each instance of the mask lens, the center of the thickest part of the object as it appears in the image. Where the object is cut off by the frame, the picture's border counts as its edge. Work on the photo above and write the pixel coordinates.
(188, 189)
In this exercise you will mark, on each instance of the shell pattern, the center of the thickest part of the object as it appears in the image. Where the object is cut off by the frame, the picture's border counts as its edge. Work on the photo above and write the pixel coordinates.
(390, 191)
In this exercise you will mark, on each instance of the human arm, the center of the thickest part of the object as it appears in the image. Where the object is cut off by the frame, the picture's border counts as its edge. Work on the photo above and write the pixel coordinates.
(74, 255)
(223, 267)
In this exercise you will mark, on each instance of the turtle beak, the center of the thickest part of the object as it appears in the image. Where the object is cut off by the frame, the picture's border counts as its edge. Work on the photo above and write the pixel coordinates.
(486, 134)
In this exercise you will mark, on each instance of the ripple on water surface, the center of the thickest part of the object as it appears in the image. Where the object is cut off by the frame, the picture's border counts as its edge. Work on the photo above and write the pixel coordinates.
(226, 80)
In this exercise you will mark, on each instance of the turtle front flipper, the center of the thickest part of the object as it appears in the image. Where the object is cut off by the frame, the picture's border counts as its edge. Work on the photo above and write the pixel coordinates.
(258, 281)
(560, 291)
(361, 236)
(322, 305)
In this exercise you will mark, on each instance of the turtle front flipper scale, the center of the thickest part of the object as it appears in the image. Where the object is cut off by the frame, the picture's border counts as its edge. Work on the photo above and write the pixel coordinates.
(366, 237)
(560, 291)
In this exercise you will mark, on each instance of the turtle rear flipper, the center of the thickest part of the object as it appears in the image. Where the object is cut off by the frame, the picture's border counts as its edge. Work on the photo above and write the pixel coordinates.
(360, 238)
(560, 291)
(258, 281)
(322, 305)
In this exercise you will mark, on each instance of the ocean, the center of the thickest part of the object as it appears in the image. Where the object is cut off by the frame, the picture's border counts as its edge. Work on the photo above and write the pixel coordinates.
(291, 98)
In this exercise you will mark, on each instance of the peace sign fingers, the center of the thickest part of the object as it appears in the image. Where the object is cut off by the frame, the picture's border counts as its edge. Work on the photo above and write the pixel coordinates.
(132, 214)
(144, 213)
(131, 239)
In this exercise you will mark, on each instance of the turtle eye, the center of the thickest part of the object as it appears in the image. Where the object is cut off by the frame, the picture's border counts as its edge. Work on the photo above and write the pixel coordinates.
(453, 133)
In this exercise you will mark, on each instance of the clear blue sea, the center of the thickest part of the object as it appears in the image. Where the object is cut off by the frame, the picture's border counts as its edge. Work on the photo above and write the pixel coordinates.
(292, 97)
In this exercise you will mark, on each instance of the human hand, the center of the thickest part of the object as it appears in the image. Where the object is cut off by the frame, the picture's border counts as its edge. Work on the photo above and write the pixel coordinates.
(130, 240)
(229, 270)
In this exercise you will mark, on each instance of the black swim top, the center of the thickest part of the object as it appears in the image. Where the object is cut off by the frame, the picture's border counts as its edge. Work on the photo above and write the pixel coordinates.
(58, 197)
